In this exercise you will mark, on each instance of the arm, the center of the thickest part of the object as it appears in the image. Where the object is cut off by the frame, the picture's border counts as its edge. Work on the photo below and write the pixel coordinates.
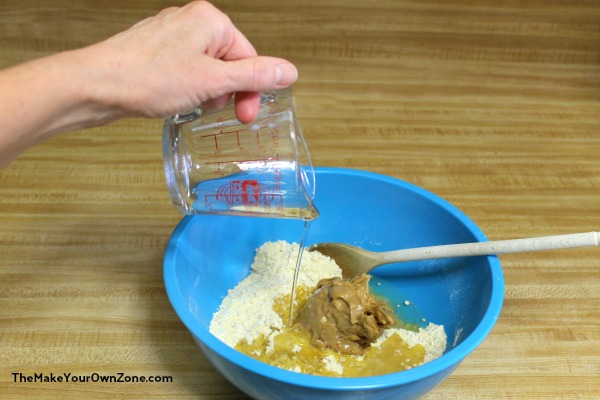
(165, 64)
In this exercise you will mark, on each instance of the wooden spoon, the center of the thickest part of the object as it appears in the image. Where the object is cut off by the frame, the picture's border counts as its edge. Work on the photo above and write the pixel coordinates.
(354, 260)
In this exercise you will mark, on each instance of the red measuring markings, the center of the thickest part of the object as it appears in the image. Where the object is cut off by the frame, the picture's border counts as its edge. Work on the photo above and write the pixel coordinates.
(245, 192)
(215, 137)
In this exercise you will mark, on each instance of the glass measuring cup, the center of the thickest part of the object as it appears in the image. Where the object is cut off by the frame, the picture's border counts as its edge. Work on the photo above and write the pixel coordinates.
(215, 164)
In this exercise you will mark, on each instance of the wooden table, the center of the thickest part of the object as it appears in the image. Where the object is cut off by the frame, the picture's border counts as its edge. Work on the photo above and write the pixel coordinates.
(494, 105)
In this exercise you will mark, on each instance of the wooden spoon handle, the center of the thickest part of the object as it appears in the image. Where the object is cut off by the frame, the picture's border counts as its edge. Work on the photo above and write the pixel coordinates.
(588, 239)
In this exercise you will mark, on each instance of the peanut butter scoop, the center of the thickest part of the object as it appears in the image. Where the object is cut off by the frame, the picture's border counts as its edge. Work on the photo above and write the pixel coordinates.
(342, 314)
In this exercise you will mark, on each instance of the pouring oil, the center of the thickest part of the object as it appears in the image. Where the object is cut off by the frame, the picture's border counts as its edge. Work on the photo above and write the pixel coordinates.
(307, 224)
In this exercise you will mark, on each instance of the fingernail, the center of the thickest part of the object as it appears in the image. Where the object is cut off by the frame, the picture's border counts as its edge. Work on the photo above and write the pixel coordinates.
(285, 74)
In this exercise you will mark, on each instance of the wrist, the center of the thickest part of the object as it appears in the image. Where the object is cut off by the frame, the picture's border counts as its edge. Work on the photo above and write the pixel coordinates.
(46, 96)
(87, 90)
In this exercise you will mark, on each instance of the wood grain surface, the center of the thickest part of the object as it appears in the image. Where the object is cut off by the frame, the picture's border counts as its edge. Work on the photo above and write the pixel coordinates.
(493, 105)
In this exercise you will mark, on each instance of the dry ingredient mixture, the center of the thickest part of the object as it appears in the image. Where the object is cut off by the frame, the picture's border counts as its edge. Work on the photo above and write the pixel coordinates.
(252, 319)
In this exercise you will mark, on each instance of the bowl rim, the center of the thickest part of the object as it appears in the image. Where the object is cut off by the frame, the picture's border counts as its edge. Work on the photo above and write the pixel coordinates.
(450, 359)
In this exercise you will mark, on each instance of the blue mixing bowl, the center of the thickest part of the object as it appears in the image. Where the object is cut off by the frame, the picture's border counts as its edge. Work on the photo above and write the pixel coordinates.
(209, 254)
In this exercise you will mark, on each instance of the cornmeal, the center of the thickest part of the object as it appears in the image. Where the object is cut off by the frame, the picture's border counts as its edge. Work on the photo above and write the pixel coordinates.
(253, 319)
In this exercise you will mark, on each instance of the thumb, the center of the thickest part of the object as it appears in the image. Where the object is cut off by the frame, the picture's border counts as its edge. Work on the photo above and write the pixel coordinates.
(259, 74)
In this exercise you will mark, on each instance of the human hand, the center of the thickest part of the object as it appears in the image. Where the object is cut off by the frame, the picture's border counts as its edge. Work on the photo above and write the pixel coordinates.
(170, 63)
(181, 58)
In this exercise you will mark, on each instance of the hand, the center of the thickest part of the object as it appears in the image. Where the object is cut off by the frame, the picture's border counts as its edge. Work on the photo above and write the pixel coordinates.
(181, 58)
(186, 56)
